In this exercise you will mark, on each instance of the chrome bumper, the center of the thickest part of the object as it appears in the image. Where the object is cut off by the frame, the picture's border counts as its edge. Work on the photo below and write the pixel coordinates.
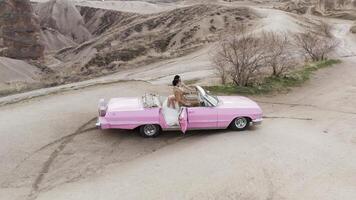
(97, 124)
(257, 121)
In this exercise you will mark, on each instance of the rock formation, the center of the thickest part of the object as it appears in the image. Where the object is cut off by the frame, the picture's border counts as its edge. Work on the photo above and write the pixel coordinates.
(63, 16)
(325, 5)
(19, 30)
(121, 39)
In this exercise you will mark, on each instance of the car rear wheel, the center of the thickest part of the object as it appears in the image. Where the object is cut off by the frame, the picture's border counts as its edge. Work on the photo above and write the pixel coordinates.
(240, 123)
(150, 130)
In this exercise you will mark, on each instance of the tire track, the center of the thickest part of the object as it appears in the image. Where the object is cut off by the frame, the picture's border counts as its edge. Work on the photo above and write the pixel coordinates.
(54, 142)
(64, 141)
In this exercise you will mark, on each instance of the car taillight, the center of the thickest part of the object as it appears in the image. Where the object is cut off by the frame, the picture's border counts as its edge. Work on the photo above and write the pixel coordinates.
(102, 108)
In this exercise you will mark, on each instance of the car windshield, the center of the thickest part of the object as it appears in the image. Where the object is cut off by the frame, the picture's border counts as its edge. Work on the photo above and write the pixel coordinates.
(211, 99)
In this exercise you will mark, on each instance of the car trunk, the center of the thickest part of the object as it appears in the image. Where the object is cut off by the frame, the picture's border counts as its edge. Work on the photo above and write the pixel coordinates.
(125, 104)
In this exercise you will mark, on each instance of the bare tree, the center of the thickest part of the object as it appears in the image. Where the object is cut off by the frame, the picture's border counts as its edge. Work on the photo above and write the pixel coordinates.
(222, 69)
(241, 54)
(315, 46)
(279, 56)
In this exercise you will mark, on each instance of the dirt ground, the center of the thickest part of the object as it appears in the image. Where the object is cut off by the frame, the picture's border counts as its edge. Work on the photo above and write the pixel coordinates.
(305, 148)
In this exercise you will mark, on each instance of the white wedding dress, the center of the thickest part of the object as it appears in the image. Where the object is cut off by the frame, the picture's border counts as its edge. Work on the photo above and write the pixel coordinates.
(170, 114)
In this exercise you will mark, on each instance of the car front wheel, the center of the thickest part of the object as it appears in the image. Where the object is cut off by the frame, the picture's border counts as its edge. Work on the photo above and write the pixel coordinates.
(240, 123)
(150, 130)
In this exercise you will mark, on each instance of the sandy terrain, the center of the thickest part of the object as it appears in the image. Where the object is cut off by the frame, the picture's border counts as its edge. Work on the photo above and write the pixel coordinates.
(125, 6)
(129, 6)
(12, 70)
(305, 149)
(17, 75)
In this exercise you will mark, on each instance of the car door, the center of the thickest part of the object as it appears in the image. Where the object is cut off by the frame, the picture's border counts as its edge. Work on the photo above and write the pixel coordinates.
(202, 117)
(183, 119)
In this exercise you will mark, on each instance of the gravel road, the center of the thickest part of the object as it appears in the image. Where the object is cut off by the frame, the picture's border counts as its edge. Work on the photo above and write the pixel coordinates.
(305, 149)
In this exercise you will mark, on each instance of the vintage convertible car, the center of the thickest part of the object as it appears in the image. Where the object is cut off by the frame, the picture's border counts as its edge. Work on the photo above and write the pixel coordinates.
(150, 114)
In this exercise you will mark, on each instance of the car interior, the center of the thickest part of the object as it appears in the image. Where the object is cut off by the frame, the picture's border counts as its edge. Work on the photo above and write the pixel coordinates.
(171, 115)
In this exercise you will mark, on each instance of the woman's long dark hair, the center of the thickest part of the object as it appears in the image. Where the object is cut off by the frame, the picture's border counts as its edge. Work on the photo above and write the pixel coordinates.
(175, 82)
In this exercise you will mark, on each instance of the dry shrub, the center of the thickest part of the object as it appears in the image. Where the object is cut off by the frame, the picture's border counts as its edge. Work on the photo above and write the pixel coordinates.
(240, 55)
(279, 54)
(314, 46)
(222, 68)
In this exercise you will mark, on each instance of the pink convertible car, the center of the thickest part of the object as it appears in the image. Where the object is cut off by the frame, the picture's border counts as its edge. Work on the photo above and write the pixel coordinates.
(151, 115)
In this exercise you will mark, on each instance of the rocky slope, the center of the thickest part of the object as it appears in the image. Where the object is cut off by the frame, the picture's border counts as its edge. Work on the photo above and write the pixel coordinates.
(12, 70)
(19, 30)
(18, 75)
(53, 40)
(62, 16)
(128, 38)
(342, 9)
(321, 7)
(97, 21)
(327, 5)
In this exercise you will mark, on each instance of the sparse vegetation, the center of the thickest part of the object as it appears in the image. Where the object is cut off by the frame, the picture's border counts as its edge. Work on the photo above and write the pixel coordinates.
(240, 56)
(278, 53)
(315, 45)
(243, 59)
(275, 83)
(117, 55)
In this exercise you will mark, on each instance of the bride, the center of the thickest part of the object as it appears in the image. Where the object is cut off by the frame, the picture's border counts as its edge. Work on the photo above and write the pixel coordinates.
(172, 104)
(180, 90)
(171, 113)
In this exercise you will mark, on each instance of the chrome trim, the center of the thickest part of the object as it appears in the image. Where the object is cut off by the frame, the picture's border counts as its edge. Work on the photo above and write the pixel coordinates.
(203, 94)
(172, 128)
(210, 128)
(150, 130)
(193, 129)
(98, 125)
(241, 122)
(257, 121)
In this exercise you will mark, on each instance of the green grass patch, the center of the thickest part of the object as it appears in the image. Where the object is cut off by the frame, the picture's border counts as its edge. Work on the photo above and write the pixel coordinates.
(273, 83)
(191, 82)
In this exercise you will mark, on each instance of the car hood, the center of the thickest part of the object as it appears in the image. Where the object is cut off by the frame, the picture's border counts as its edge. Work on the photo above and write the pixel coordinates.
(236, 102)
(125, 104)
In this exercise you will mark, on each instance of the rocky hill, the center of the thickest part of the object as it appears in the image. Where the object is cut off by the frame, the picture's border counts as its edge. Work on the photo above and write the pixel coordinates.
(19, 30)
(336, 8)
(63, 17)
(328, 5)
(127, 38)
